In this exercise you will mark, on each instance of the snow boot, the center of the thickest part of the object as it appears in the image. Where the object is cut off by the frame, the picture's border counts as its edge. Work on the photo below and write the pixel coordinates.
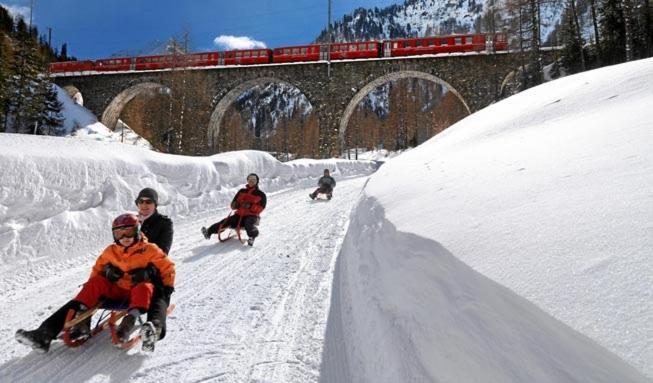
(205, 233)
(36, 339)
(250, 241)
(81, 330)
(311, 195)
(126, 327)
(150, 333)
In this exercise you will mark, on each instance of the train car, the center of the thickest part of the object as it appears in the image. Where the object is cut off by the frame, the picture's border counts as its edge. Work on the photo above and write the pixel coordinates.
(156, 62)
(355, 50)
(312, 52)
(202, 59)
(434, 45)
(71, 66)
(245, 57)
(115, 64)
(500, 41)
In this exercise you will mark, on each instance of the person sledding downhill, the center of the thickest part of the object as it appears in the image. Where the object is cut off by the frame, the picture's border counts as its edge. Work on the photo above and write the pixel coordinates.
(125, 272)
(158, 229)
(325, 184)
(248, 204)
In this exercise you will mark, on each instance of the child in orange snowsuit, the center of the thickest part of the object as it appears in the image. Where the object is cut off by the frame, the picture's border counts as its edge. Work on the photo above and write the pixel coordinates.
(126, 271)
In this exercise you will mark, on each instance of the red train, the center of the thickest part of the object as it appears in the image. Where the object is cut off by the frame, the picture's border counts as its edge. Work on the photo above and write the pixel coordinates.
(303, 53)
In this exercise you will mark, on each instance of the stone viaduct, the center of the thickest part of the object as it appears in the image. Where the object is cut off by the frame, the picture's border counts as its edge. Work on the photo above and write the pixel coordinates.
(334, 90)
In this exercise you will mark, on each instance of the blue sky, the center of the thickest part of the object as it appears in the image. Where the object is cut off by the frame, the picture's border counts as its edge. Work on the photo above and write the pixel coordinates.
(101, 28)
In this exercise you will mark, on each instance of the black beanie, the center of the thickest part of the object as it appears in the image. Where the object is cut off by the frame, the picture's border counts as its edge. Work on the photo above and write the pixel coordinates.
(148, 193)
(255, 175)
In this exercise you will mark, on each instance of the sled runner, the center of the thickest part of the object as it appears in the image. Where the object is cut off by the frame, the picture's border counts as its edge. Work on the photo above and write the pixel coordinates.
(321, 197)
(110, 314)
(226, 232)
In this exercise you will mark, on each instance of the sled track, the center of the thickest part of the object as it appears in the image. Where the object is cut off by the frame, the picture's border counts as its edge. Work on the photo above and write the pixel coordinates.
(244, 314)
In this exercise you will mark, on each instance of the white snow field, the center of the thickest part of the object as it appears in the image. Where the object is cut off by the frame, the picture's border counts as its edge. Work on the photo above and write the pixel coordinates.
(513, 247)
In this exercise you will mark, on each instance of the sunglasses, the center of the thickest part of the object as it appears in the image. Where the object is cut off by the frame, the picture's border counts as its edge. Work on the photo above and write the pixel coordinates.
(146, 201)
(124, 232)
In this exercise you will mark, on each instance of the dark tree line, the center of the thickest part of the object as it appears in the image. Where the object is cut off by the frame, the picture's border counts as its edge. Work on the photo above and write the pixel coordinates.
(593, 33)
(621, 30)
(28, 99)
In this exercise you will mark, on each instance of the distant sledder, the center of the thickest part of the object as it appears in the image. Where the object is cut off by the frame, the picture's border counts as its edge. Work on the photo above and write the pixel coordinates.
(121, 281)
(325, 184)
(247, 205)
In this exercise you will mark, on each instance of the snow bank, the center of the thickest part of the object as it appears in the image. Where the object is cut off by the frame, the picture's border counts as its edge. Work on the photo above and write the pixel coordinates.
(412, 312)
(58, 195)
(547, 193)
(81, 122)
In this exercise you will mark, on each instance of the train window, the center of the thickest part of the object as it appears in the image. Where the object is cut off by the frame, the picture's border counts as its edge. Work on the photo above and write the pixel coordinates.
(418, 43)
(370, 46)
(457, 41)
(239, 54)
(395, 45)
(295, 51)
(205, 57)
(444, 42)
(286, 51)
(361, 47)
(304, 50)
(246, 54)
(431, 43)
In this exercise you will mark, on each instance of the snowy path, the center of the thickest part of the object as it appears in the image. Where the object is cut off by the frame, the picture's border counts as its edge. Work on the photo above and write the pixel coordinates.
(243, 314)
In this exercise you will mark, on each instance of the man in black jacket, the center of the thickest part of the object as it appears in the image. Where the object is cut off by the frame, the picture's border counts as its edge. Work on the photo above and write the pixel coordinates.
(325, 185)
(157, 227)
(158, 230)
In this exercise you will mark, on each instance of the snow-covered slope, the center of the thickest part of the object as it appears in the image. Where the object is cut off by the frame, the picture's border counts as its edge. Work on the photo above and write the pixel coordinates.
(547, 193)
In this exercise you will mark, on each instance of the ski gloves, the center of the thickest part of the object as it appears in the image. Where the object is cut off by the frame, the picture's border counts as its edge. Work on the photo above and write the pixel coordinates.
(236, 205)
(112, 273)
(143, 274)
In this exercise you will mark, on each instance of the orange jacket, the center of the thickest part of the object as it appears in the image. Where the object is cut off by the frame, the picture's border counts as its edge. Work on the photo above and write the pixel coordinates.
(135, 257)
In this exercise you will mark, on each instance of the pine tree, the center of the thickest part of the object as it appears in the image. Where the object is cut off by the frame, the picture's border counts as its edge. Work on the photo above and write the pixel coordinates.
(6, 21)
(51, 118)
(5, 72)
(63, 56)
(573, 57)
(26, 88)
(612, 32)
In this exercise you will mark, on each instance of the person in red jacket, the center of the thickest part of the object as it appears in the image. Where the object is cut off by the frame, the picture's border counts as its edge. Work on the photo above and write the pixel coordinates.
(249, 202)
(123, 272)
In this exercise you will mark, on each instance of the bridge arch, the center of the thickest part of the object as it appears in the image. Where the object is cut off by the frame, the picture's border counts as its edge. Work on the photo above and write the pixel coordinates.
(402, 74)
(228, 99)
(112, 112)
(74, 93)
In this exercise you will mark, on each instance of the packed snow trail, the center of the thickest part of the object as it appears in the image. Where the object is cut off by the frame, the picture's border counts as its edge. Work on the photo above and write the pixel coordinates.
(244, 314)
